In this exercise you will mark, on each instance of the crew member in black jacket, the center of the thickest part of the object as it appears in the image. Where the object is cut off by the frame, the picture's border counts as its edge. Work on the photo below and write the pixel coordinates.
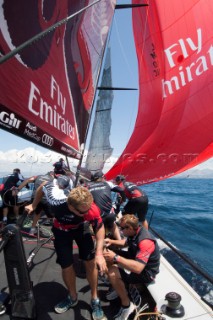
(142, 261)
(9, 193)
(137, 199)
(101, 192)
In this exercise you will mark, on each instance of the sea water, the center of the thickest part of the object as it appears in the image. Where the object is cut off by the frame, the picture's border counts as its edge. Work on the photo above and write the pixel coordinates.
(181, 211)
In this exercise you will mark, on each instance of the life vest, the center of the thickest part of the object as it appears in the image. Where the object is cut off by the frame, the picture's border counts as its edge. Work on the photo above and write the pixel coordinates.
(9, 181)
(39, 180)
(101, 192)
(154, 259)
(132, 191)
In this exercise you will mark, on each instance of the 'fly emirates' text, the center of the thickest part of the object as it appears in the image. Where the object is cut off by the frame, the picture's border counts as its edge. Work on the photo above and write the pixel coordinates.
(184, 48)
(48, 113)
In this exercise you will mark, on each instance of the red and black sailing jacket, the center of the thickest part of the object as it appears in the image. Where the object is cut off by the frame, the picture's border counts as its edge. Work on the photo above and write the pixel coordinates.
(153, 263)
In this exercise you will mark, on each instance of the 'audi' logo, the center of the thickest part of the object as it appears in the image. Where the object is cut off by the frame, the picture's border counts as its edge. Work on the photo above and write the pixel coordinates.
(47, 140)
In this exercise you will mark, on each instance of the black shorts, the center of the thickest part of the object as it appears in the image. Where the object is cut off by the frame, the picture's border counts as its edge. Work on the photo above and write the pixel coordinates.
(108, 220)
(45, 207)
(8, 199)
(64, 245)
(137, 206)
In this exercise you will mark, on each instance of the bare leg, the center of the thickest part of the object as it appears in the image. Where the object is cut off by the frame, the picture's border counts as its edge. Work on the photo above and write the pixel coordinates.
(69, 277)
(115, 232)
(16, 211)
(92, 277)
(36, 217)
(145, 224)
(5, 212)
(118, 285)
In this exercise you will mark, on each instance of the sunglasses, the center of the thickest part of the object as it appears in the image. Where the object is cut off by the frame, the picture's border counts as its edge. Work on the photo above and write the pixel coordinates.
(81, 212)
(123, 228)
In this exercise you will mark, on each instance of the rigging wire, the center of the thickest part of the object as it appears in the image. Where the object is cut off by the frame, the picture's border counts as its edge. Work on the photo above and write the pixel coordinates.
(144, 34)
(122, 50)
(97, 52)
(128, 131)
(132, 76)
(194, 266)
(88, 134)
(33, 156)
(184, 257)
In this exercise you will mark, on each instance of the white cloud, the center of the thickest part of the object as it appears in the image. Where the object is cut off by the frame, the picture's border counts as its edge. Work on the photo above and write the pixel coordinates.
(31, 162)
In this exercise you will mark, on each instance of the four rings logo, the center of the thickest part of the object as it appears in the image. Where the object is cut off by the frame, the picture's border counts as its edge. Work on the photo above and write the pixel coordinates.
(47, 140)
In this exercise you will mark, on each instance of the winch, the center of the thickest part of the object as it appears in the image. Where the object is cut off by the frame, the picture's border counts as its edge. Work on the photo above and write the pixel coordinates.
(173, 308)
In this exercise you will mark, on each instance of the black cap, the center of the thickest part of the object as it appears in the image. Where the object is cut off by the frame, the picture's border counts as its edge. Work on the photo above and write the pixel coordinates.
(97, 175)
(119, 178)
(16, 170)
(63, 181)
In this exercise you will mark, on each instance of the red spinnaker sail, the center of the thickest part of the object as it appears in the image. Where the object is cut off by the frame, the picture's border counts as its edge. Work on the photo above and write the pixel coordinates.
(47, 89)
(173, 130)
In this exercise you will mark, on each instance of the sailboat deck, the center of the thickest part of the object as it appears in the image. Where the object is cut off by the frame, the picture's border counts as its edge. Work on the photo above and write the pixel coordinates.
(169, 280)
(49, 289)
